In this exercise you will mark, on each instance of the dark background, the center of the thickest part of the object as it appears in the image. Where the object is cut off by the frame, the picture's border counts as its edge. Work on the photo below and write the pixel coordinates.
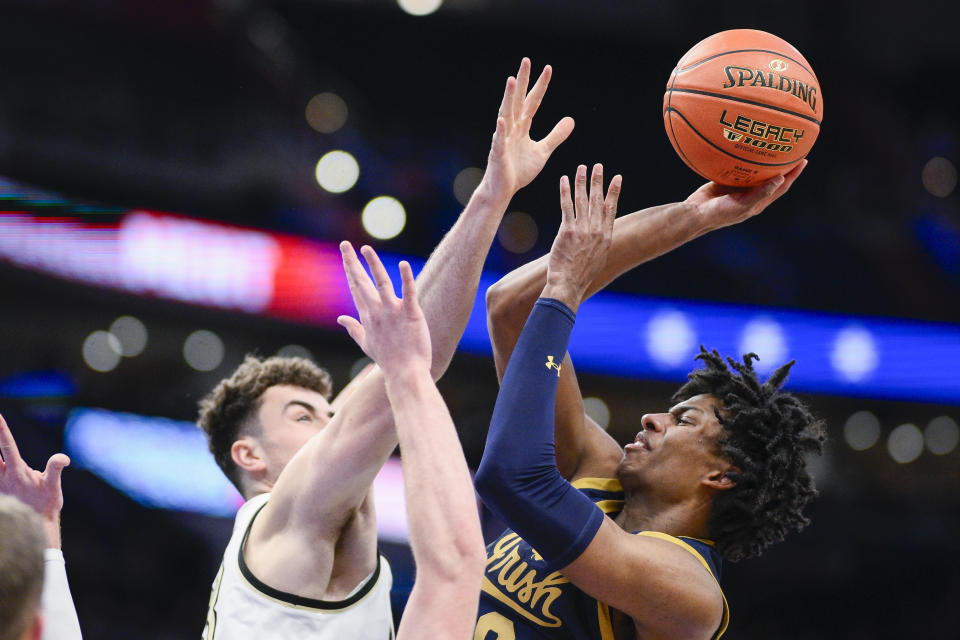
(197, 107)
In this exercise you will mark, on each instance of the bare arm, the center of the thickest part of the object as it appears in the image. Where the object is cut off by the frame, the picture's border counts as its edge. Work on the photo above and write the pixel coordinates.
(583, 448)
(350, 388)
(442, 514)
(663, 587)
(448, 283)
(319, 491)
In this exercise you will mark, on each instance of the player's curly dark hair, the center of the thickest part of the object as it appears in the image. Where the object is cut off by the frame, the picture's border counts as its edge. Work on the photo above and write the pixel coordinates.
(767, 435)
(230, 407)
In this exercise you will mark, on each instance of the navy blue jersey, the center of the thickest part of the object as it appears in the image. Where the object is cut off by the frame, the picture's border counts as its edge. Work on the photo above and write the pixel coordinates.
(521, 600)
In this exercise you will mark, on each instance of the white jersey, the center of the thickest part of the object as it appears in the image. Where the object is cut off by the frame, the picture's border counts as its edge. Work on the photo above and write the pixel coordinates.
(243, 608)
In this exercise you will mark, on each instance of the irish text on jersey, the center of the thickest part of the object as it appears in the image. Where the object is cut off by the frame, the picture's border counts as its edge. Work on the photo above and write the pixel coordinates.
(512, 581)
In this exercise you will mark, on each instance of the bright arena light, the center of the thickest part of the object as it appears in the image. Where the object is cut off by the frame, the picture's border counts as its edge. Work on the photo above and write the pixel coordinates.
(854, 354)
(419, 7)
(326, 112)
(132, 335)
(203, 350)
(158, 462)
(905, 443)
(197, 262)
(862, 430)
(670, 338)
(598, 411)
(764, 337)
(295, 351)
(337, 171)
(384, 217)
(939, 177)
(466, 183)
(942, 435)
(102, 351)
(518, 232)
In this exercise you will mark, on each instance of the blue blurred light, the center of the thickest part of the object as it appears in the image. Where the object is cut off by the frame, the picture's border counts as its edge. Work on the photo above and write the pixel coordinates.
(157, 462)
(165, 464)
(836, 354)
(941, 236)
(634, 336)
(37, 384)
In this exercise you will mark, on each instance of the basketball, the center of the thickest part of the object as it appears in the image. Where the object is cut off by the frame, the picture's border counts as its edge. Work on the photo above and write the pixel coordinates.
(742, 106)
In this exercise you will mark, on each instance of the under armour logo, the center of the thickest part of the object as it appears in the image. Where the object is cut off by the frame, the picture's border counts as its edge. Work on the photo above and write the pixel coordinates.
(550, 364)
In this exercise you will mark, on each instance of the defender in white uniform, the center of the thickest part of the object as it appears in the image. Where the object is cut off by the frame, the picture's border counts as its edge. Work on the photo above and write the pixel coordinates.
(272, 429)
(242, 606)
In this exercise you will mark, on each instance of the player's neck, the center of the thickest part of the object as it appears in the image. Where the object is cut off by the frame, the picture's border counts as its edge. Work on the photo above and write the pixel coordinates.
(688, 518)
(253, 488)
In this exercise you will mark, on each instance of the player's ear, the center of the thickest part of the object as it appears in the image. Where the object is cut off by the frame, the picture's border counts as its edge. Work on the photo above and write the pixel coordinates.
(720, 480)
(247, 454)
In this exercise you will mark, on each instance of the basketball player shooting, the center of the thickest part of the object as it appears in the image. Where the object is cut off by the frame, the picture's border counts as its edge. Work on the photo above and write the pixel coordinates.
(628, 542)
(441, 507)
(303, 558)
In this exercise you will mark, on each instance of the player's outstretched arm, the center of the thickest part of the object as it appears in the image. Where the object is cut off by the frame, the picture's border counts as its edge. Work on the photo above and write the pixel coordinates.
(447, 284)
(322, 487)
(583, 448)
(337, 403)
(522, 485)
(679, 598)
(442, 515)
(42, 492)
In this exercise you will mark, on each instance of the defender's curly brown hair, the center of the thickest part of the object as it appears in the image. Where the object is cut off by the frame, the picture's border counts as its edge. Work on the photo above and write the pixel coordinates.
(767, 435)
(234, 402)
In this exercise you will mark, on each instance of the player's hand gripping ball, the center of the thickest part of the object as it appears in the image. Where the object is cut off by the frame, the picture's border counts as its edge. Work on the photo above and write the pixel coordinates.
(742, 106)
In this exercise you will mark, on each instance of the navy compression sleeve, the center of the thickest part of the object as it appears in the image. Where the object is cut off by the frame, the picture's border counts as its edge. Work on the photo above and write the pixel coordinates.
(518, 477)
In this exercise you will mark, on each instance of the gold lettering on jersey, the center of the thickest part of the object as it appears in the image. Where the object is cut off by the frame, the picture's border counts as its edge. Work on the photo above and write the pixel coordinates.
(508, 573)
(740, 76)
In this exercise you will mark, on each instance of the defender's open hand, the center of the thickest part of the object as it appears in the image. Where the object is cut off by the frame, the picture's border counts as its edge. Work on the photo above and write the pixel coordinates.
(391, 330)
(41, 491)
(515, 158)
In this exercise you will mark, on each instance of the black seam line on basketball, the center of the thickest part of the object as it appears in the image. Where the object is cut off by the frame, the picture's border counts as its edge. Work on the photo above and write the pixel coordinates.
(726, 53)
(724, 151)
(673, 134)
(679, 147)
(291, 598)
(756, 103)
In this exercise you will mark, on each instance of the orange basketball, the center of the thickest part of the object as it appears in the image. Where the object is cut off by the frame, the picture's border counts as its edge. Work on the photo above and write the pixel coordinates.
(742, 106)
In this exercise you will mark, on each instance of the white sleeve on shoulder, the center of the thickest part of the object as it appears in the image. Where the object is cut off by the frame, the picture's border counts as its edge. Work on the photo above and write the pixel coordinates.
(59, 615)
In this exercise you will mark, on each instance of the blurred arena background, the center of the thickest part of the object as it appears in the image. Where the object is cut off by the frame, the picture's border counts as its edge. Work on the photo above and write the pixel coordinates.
(175, 174)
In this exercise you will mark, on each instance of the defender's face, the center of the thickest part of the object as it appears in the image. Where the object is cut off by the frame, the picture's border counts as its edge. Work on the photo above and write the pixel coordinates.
(675, 450)
(289, 416)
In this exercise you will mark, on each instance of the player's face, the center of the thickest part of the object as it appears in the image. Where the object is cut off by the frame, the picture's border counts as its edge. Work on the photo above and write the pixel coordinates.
(289, 416)
(675, 451)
